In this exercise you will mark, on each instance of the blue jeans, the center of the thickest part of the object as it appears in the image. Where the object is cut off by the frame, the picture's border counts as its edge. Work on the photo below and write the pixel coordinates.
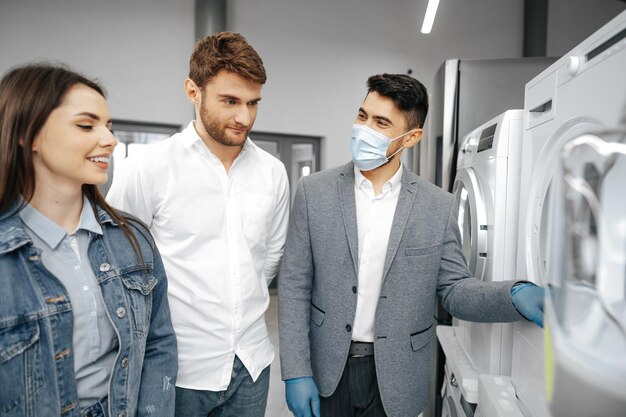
(99, 409)
(242, 398)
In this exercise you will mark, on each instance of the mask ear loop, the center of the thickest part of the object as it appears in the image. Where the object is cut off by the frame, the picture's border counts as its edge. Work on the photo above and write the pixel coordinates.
(404, 134)
(402, 147)
(393, 154)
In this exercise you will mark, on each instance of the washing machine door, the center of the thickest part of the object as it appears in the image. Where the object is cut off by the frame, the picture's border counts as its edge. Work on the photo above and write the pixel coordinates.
(587, 304)
(538, 245)
(472, 219)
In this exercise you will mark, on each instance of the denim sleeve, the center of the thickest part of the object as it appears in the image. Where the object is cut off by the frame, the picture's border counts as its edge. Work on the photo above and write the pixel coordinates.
(160, 366)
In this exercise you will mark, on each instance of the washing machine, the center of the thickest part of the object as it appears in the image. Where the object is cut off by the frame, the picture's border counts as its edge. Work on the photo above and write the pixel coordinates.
(586, 307)
(459, 391)
(486, 190)
(584, 91)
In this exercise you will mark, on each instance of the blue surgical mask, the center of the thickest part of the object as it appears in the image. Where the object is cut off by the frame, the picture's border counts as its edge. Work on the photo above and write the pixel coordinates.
(369, 148)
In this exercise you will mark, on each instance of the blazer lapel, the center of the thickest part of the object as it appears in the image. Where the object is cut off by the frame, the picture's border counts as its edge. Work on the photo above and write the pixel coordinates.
(401, 216)
(348, 210)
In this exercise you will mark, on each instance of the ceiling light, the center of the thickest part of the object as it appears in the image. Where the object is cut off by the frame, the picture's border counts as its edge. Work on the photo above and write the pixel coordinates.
(429, 17)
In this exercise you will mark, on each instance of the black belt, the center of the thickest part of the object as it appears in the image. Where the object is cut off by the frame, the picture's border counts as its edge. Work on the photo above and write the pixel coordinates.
(361, 349)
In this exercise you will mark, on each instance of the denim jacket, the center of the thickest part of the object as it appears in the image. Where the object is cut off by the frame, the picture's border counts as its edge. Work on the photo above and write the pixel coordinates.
(36, 357)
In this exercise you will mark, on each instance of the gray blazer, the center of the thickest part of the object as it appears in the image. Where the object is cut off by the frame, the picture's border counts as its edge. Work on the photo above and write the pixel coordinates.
(424, 259)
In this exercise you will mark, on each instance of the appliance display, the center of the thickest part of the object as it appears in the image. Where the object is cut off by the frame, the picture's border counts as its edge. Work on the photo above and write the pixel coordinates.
(486, 190)
(583, 92)
(465, 94)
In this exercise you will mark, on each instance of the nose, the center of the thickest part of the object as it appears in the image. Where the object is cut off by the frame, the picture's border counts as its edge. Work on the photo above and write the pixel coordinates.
(107, 139)
(243, 116)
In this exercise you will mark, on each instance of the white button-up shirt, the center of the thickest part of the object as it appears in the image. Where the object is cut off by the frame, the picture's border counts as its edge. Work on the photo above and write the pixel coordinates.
(221, 237)
(374, 215)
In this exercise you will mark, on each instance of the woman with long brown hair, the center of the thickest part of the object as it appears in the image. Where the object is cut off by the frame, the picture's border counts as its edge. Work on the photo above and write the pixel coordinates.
(85, 327)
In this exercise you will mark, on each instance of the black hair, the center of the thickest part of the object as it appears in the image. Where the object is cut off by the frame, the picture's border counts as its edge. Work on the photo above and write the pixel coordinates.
(408, 94)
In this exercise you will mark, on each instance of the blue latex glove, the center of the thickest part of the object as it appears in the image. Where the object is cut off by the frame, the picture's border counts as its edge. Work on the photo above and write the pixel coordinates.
(303, 399)
(527, 298)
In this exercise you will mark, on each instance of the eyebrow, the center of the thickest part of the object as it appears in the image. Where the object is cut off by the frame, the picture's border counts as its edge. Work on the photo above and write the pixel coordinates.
(93, 116)
(383, 118)
(239, 99)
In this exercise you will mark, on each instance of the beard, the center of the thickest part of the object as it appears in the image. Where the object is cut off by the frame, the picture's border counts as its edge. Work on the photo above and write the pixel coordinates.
(218, 130)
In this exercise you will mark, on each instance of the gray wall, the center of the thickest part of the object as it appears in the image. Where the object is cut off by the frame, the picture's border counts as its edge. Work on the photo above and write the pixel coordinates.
(139, 49)
(318, 53)
(572, 21)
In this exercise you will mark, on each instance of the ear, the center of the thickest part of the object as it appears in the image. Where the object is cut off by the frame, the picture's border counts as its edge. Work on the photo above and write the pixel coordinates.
(34, 147)
(192, 91)
(413, 138)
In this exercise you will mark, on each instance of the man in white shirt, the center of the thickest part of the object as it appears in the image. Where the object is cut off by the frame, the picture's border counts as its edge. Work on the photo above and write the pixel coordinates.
(370, 246)
(217, 206)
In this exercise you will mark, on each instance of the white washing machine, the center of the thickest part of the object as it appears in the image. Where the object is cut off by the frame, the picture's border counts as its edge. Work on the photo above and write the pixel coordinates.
(460, 386)
(586, 308)
(486, 190)
(584, 91)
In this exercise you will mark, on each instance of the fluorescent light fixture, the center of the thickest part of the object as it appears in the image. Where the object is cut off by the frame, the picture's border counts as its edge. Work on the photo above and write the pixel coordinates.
(429, 17)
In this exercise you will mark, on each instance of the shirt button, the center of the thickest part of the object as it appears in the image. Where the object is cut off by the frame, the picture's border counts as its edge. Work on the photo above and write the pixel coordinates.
(121, 312)
(85, 287)
(124, 363)
(122, 414)
(105, 267)
(348, 328)
(33, 258)
(354, 289)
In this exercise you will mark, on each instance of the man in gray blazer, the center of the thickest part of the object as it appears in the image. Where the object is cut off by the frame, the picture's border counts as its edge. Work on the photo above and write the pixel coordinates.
(370, 246)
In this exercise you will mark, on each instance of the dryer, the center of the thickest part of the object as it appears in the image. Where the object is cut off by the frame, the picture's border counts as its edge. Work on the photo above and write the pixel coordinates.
(584, 91)
(486, 190)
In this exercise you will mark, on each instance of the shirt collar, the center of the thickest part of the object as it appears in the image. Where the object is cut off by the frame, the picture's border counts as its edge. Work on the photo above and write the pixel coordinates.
(190, 135)
(393, 182)
(52, 233)
(88, 219)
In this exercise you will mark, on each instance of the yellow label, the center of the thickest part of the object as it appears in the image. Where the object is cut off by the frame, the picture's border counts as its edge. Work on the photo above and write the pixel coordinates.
(549, 362)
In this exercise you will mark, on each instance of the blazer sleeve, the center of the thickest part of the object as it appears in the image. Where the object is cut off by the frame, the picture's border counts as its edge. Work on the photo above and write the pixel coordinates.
(294, 292)
(464, 296)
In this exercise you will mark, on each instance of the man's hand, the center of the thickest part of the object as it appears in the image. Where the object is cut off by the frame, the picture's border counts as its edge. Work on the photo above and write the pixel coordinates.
(527, 298)
(303, 398)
